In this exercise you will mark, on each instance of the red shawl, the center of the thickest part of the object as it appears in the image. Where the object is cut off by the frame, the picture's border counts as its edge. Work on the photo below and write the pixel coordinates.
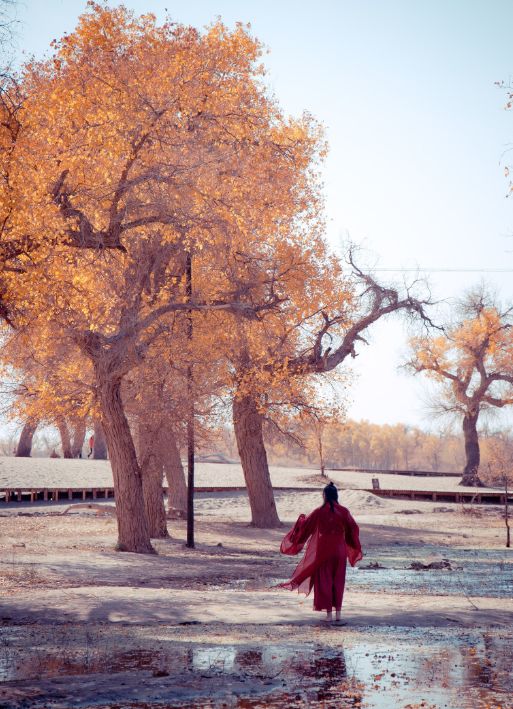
(330, 533)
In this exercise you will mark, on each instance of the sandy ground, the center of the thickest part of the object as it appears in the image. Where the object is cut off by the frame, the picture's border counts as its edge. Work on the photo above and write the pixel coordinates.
(46, 472)
(84, 626)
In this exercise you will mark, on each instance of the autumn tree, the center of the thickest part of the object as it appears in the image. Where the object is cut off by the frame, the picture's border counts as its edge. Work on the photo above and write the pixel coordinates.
(264, 396)
(159, 143)
(49, 383)
(322, 325)
(471, 363)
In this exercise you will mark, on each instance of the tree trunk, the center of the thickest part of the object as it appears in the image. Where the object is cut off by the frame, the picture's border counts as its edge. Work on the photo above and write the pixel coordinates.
(100, 443)
(65, 438)
(471, 470)
(24, 448)
(247, 421)
(190, 416)
(150, 461)
(79, 432)
(133, 532)
(175, 475)
(321, 452)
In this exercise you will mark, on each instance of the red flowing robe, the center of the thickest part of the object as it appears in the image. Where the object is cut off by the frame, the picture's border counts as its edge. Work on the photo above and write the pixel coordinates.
(333, 540)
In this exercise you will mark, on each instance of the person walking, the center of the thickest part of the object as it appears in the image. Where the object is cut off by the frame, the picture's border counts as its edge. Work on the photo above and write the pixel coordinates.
(333, 539)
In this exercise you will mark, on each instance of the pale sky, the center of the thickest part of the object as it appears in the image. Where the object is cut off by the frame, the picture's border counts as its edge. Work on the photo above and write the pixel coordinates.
(417, 132)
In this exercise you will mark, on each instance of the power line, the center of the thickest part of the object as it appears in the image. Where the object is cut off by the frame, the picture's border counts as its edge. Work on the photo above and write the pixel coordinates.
(444, 270)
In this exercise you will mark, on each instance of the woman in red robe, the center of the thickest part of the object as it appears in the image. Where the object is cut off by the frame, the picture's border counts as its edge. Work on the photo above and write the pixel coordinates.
(333, 540)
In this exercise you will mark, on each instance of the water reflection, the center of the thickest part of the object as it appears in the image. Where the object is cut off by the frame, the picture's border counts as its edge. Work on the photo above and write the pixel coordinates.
(221, 658)
(487, 663)
(385, 669)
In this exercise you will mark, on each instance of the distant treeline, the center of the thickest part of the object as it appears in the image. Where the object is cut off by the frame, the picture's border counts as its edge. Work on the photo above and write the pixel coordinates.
(358, 444)
(369, 445)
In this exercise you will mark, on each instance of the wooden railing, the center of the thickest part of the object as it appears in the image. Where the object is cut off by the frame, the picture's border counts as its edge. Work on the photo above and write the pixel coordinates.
(413, 473)
(56, 494)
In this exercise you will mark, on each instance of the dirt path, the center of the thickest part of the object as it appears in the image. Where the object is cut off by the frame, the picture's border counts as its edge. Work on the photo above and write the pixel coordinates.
(145, 606)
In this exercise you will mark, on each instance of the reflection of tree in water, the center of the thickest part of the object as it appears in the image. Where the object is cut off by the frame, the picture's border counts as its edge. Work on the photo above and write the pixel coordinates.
(488, 664)
(70, 661)
(328, 671)
(249, 659)
(189, 659)
(435, 667)
(329, 667)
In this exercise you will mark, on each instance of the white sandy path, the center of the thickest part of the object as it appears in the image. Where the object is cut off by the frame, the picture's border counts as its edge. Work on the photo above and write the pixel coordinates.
(171, 606)
(47, 472)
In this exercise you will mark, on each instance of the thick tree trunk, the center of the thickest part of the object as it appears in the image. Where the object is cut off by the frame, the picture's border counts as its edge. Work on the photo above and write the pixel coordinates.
(133, 532)
(175, 475)
(24, 448)
(65, 438)
(100, 443)
(471, 470)
(79, 432)
(247, 422)
(150, 462)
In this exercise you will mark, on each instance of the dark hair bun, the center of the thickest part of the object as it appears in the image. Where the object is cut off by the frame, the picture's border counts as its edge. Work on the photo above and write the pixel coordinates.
(331, 494)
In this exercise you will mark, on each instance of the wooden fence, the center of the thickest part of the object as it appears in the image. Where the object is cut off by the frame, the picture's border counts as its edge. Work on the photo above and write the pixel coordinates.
(413, 473)
(56, 494)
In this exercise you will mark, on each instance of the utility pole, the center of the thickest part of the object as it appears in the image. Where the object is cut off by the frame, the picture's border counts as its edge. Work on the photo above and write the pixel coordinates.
(190, 411)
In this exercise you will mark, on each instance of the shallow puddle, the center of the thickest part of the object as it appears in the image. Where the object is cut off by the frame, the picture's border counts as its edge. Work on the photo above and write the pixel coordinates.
(328, 667)
(472, 572)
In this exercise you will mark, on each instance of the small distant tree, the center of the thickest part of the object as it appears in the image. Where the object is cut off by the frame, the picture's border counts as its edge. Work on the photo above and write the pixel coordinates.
(317, 422)
(471, 363)
(318, 425)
